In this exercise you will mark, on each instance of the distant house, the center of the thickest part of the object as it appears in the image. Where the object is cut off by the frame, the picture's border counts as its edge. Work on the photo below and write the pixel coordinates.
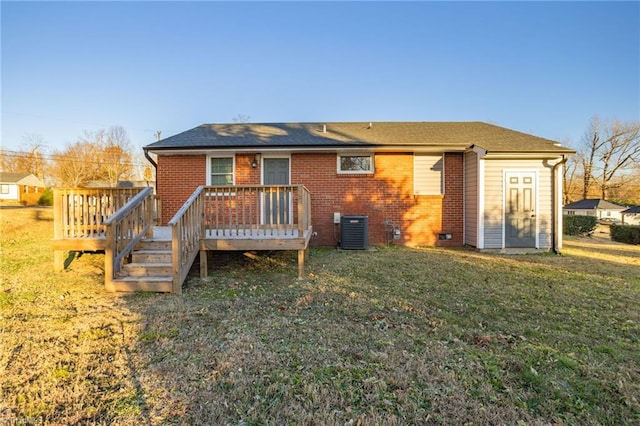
(433, 183)
(631, 215)
(601, 209)
(20, 188)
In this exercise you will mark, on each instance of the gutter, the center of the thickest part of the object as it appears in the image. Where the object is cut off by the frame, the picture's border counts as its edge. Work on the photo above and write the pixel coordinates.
(155, 166)
(556, 206)
(148, 157)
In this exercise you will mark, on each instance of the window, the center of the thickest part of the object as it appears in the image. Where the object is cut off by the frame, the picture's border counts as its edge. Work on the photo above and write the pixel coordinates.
(4, 189)
(221, 171)
(428, 174)
(355, 163)
(571, 212)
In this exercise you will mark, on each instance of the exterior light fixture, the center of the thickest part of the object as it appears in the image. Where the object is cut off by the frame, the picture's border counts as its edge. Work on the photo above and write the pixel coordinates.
(254, 163)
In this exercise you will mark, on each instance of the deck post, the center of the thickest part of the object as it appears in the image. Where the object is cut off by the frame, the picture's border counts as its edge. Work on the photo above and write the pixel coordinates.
(301, 211)
(149, 216)
(176, 287)
(204, 271)
(58, 255)
(109, 258)
(58, 260)
(301, 264)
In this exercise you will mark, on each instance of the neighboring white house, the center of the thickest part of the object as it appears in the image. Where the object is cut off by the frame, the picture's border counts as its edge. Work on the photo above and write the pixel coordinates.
(21, 188)
(601, 209)
(631, 215)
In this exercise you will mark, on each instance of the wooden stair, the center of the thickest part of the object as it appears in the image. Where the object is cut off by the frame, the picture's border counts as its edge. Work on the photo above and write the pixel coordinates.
(150, 269)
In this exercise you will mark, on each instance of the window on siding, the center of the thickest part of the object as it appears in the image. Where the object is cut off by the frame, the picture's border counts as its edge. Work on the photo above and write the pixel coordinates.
(355, 163)
(428, 174)
(4, 189)
(221, 171)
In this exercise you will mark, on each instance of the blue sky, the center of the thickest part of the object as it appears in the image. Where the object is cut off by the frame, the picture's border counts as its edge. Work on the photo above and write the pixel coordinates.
(540, 67)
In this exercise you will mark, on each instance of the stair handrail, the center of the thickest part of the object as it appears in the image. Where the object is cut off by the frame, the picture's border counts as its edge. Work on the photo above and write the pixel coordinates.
(187, 231)
(124, 230)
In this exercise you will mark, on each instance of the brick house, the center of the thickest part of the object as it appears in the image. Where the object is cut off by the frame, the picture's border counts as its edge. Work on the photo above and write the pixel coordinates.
(433, 183)
(20, 188)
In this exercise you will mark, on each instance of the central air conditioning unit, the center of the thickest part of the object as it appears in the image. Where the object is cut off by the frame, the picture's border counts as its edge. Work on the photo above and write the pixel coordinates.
(354, 232)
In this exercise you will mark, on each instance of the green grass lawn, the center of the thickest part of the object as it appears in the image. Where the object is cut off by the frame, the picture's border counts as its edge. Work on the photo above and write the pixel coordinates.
(386, 336)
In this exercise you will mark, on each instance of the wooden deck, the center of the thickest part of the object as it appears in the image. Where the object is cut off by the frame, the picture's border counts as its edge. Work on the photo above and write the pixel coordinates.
(245, 239)
(213, 218)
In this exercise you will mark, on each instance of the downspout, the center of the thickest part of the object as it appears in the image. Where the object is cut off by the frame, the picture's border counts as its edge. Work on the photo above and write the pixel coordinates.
(556, 206)
(148, 157)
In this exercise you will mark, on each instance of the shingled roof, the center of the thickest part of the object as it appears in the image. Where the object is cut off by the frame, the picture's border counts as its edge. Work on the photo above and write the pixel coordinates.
(592, 204)
(632, 210)
(455, 135)
(20, 179)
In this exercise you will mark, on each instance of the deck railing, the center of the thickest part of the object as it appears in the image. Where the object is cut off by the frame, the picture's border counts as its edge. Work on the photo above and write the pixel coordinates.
(253, 211)
(235, 212)
(187, 230)
(81, 212)
(124, 229)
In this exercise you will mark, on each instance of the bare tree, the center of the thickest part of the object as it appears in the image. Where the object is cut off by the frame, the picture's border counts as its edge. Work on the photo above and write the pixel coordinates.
(76, 165)
(591, 143)
(100, 155)
(31, 158)
(116, 159)
(571, 178)
(621, 148)
(606, 150)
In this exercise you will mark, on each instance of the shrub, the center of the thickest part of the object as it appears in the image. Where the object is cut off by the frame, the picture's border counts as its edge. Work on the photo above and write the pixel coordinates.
(579, 225)
(625, 233)
(46, 199)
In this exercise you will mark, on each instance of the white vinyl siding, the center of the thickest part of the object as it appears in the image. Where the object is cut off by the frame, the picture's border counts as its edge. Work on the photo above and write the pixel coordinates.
(471, 199)
(493, 209)
(428, 174)
(9, 192)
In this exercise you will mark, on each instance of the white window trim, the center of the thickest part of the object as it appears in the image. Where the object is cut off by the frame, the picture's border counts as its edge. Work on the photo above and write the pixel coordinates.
(233, 162)
(356, 172)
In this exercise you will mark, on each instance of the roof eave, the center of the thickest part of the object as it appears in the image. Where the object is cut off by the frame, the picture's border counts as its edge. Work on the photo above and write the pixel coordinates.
(525, 154)
(307, 149)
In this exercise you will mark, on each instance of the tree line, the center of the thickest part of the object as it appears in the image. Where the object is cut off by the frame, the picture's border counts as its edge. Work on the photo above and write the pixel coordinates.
(105, 155)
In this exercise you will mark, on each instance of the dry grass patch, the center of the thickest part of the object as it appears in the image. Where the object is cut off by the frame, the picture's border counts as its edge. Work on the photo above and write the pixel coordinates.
(391, 336)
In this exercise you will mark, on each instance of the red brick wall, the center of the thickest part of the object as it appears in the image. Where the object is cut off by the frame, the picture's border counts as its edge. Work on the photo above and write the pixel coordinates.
(385, 195)
(177, 177)
(452, 204)
(245, 174)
